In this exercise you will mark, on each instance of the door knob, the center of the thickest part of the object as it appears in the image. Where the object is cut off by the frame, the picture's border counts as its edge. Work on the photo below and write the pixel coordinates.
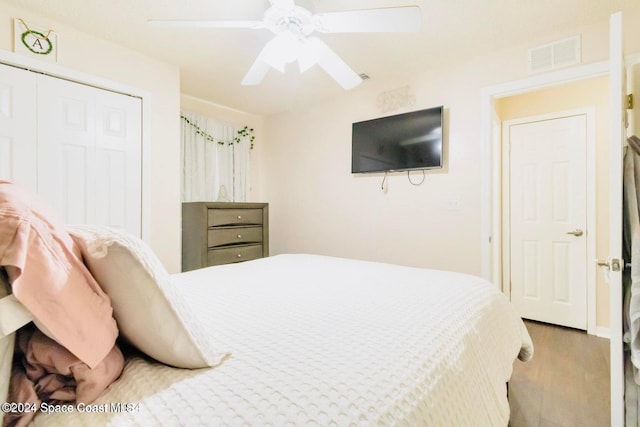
(577, 232)
(614, 265)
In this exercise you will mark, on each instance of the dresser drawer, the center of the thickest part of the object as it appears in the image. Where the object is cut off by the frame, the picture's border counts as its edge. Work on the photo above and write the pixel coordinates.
(234, 254)
(234, 235)
(217, 217)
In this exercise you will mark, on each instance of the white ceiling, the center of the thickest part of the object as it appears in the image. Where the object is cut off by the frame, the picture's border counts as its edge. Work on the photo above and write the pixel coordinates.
(213, 61)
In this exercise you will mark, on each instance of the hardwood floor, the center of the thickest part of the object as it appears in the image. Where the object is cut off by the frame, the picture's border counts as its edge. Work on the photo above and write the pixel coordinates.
(565, 384)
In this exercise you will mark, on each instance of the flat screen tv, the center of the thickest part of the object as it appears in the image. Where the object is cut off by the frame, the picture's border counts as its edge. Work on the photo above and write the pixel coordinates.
(398, 143)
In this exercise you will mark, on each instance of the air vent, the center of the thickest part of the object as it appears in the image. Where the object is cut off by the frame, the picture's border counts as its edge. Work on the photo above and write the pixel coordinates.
(561, 53)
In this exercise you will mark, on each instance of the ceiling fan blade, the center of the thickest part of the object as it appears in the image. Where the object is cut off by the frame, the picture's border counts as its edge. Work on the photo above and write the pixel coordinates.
(333, 64)
(256, 73)
(271, 55)
(307, 58)
(179, 23)
(393, 19)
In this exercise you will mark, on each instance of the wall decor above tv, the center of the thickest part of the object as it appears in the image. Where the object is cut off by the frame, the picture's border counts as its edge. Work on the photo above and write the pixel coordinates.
(397, 143)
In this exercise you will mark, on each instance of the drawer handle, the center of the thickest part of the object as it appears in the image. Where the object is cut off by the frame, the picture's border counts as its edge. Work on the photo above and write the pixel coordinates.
(239, 236)
(239, 255)
(239, 216)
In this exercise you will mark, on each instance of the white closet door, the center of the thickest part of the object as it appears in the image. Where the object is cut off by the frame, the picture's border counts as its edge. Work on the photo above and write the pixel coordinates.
(18, 126)
(89, 153)
(118, 161)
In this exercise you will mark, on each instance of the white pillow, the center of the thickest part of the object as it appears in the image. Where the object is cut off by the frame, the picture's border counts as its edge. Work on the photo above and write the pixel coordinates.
(13, 315)
(149, 311)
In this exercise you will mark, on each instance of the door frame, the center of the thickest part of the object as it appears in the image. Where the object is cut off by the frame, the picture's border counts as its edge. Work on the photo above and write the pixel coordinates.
(491, 163)
(505, 219)
(54, 70)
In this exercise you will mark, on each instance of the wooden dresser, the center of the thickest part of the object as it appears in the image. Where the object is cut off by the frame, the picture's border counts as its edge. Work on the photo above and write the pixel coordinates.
(215, 233)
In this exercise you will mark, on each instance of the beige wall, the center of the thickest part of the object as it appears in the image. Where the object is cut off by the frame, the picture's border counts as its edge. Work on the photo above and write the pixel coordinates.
(222, 113)
(86, 54)
(318, 206)
(587, 93)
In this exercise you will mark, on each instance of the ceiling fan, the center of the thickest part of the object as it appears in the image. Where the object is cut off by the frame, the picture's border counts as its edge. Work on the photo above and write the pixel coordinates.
(293, 26)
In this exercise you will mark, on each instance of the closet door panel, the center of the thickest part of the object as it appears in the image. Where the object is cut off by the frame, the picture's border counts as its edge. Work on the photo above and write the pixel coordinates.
(18, 126)
(72, 192)
(66, 148)
(119, 156)
(90, 153)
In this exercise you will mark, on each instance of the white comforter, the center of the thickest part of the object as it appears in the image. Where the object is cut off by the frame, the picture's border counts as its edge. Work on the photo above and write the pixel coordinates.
(330, 342)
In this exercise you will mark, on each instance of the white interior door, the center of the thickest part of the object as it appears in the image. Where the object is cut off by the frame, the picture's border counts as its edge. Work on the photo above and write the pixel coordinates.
(18, 126)
(89, 153)
(618, 94)
(548, 218)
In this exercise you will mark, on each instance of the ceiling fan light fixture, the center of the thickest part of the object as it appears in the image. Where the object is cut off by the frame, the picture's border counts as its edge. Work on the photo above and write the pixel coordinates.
(294, 19)
(280, 51)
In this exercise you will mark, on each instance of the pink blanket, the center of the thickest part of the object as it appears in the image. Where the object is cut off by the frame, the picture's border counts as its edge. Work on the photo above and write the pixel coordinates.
(47, 372)
(48, 277)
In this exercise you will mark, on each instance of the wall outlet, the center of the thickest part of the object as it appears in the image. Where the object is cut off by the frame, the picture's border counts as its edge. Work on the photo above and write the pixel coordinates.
(453, 203)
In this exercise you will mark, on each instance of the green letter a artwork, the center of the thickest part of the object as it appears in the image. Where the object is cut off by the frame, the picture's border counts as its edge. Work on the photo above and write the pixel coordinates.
(37, 42)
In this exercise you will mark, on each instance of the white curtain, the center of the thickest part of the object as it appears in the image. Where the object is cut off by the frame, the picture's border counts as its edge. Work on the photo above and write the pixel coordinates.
(215, 160)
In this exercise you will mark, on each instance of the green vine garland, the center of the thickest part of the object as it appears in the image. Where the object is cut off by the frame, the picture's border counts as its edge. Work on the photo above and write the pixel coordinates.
(246, 131)
(39, 36)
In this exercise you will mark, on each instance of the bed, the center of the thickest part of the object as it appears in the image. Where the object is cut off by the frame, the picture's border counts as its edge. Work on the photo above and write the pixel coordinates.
(298, 339)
